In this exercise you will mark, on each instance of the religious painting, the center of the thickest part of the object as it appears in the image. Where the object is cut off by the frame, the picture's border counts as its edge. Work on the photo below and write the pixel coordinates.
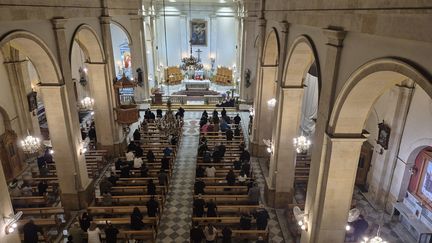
(32, 101)
(383, 135)
(198, 33)
(426, 188)
(124, 65)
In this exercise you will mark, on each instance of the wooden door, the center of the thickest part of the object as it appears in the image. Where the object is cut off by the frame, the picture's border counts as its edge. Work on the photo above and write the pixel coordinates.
(364, 164)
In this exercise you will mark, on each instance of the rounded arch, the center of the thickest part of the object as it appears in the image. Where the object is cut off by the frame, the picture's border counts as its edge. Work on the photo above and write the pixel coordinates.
(301, 57)
(38, 52)
(365, 86)
(89, 42)
(270, 55)
(124, 30)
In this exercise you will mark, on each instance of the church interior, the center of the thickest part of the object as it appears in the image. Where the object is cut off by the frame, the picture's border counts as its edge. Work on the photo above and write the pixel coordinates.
(215, 121)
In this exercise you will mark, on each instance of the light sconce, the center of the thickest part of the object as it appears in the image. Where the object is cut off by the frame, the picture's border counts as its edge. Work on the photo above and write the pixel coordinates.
(51, 151)
(11, 222)
(347, 227)
(413, 170)
(301, 217)
(271, 102)
(252, 111)
(270, 146)
(83, 150)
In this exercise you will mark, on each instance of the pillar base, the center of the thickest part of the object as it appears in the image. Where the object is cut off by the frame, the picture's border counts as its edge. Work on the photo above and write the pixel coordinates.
(258, 150)
(79, 200)
(277, 199)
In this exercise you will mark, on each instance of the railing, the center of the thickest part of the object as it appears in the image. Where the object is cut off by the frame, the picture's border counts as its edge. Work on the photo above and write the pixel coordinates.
(182, 99)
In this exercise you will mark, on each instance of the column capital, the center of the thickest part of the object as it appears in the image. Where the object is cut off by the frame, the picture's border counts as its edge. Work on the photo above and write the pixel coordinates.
(284, 25)
(335, 37)
(261, 22)
(59, 23)
(105, 19)
(348, 137)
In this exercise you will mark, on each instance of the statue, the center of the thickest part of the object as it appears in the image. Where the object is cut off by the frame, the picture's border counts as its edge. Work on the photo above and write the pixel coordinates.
(247, 78)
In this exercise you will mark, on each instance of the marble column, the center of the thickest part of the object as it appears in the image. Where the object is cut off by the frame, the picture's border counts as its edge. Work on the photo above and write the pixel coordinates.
(138, 54)
(100, 86)
(330, 69)
(5, 210)
(282, 162)
(257, 148)
(337, 187)
(63, 124)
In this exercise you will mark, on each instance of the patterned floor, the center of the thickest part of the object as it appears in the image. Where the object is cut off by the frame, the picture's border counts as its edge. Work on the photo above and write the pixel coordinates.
(176, 219)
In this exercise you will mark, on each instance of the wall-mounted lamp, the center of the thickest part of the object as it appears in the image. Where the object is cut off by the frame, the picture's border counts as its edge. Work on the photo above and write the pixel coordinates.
(301, 217)
(11, 222)
(413, 170)
(270, 145)
(271, 102)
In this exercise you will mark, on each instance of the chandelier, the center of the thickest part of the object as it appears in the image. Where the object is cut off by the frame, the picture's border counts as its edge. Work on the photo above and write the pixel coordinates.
(169, 124)
(30, 144)
(302, 144)
(87, 103)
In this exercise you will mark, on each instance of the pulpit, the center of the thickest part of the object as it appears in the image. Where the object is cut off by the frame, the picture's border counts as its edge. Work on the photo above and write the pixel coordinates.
(127, 112)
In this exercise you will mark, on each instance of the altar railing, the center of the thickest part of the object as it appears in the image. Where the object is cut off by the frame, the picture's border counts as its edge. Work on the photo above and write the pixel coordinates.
(182, 99)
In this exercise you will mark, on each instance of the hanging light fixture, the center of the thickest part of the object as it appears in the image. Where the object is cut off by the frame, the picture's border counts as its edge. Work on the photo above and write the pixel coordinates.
(169, 124)
(375, 239)
(87, 103)
(302, 144)
(191, 62)
(30, 144)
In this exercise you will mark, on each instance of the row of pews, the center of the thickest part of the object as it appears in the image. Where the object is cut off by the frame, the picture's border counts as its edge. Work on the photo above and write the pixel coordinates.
(131, 192)
(232, 200)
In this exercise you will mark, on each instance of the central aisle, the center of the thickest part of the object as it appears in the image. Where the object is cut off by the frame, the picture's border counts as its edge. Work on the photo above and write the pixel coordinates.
(176, 218)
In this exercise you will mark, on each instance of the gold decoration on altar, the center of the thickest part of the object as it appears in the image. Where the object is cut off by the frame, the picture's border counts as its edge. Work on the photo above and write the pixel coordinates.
(224, 76)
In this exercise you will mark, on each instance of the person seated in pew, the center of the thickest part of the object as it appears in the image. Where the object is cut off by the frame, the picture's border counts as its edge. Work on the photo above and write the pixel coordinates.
(150, 156)
(204, 114)
(26, 189)
(92, 134)
(137, 163)
(254, 194)
(41, 161)
(200, 171)
(237, 132)
(203, 122)
(151, 187)
(139, 152)
(237, 165)
(31, 231)
(118, 163)
(222, 150)
(152, 207)
(113, 178)
(159, 113)
(105, 186)
(167, 151)
(163, 178)
(262, 217)
(215, 113)
(217, 155)
(245, 221)
(226, 235)
(44, 171)
(207, 157)
(230, 177)
(165, 163)
(242, 178)
(211, 208)
(137, 135)
(198, 206)
(245, 156)
(136, 218)
(15, 190)
(211, 127)
(130, 155)
(48, 155)
(174, 139)
(76, 233)
(216, 125)
(111, 233)
(107, 199)
(85, 221)
(246, 168)
(144, 126)
(227, 119)
(196, 234)
(144, 170)
(210, 171)
(224, 126)
(93, 234)
(152, 117)
(199, 186)
(205, 127)
(223, 112)
(181, 111)
(125, 170)
(210, 233)
(42, 187)
(237, 119)
(229, 134)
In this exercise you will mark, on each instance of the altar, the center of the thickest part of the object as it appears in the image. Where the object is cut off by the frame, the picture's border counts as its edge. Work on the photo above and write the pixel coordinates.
(197, 84)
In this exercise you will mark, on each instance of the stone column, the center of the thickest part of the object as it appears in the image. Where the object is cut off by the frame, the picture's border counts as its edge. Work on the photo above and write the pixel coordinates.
(330, 69)
(63, 124)
(282, 162)
(104, 112)
(5, 210)
(256, 146)
(337, 186)
(138, 54)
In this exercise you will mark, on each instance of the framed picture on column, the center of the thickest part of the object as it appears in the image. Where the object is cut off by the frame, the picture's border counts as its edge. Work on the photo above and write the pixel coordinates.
(198, 32)
(383, 135)
(32, 101)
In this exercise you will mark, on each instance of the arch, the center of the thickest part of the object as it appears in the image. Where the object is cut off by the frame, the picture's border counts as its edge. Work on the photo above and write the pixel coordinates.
(89, 42)
(124, 30)
(6, 119)
(302, 55)
(356, 98)
(38, 52)
(271, 49)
